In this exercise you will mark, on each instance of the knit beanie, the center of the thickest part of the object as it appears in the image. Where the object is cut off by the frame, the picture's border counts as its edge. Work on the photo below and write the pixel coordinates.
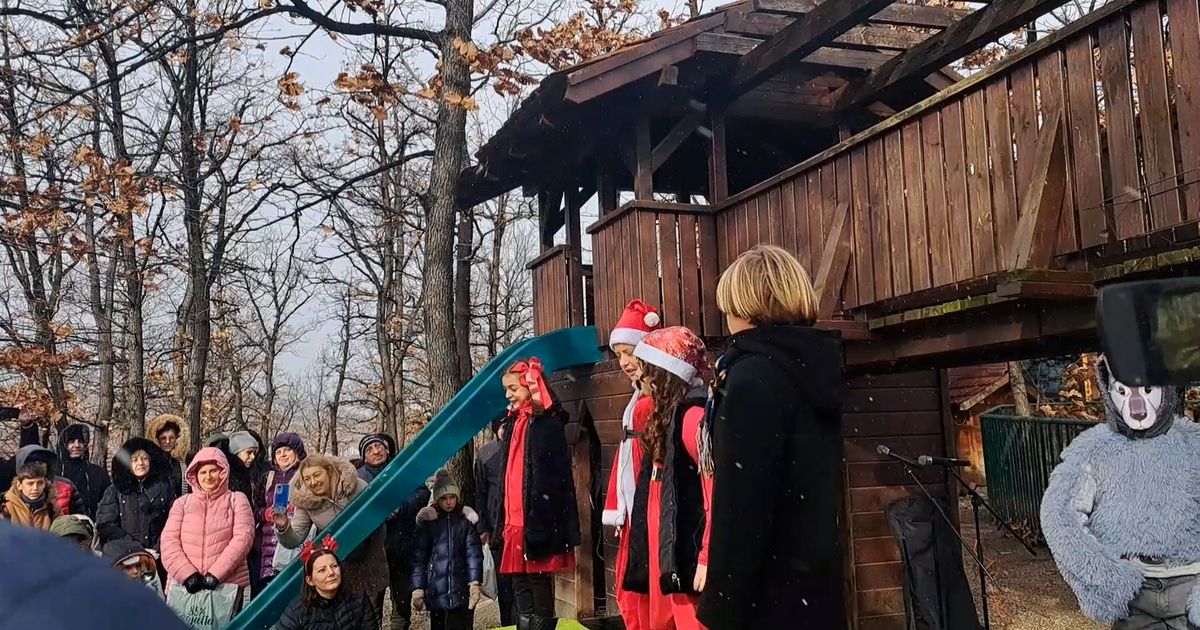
(241, 441)
(290, 440)
(377, 438)
(443, 485)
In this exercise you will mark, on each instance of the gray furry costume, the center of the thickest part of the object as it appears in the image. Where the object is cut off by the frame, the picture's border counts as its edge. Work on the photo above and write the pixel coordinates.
(1122, 512)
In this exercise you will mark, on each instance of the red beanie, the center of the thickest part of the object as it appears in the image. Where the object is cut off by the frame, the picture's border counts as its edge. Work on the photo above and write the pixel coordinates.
(636, 322)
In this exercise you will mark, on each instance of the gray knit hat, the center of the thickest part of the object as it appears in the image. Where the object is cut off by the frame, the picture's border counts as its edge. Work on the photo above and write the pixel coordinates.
(444, 484)
(241, 441)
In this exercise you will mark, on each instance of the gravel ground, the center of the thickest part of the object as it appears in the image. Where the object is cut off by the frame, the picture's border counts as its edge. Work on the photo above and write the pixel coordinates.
(487, 615)
(1029, 593)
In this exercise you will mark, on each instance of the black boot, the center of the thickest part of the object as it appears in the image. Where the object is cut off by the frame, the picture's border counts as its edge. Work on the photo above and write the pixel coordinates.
(537, 622)
(524, 622)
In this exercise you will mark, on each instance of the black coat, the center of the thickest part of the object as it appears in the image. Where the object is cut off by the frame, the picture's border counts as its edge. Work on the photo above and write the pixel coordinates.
(489, 475)
(447, 557)
(347, 611)
(403, 521)
(136, 509)
(90, 480)
(777, 451)
(551, 514)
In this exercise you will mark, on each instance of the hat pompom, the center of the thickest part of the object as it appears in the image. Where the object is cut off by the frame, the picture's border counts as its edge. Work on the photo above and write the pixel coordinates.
(652, 319)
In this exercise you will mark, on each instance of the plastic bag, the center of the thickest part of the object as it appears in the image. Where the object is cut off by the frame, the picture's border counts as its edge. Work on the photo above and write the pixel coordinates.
(284, 556)
(206, 610)
(489, 573)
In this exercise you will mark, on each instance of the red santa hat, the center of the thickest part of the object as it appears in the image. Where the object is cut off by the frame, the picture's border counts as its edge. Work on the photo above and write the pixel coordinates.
(676, 350)
(636, 322)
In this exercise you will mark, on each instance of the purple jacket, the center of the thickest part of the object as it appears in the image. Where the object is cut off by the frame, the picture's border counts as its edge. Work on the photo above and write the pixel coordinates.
(268, 540)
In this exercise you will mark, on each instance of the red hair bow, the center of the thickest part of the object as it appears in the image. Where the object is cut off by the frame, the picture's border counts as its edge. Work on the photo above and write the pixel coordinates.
(327, 544)
(531, 375)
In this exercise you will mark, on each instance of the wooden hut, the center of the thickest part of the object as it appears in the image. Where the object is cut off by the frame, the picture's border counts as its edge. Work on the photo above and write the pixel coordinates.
(946, 220)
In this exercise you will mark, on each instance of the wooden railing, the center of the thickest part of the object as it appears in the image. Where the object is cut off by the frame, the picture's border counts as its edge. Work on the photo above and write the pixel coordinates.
(561, 290)
(662, 253)
(936, 194)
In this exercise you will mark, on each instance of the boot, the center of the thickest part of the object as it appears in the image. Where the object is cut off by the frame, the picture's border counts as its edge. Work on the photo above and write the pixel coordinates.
(542, 623)
(524, 622)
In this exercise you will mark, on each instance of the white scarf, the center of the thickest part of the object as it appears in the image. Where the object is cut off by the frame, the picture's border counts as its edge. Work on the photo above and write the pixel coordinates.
(626, 482)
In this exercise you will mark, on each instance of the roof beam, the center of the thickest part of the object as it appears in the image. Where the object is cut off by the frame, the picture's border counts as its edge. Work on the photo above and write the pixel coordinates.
(902, 14)
(737, 45)
(978, 28)
(767, 24)
(808, 34)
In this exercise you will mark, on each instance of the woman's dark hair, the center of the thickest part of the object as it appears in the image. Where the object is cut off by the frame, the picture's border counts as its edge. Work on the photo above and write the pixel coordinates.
(168, 426)
(308, 593)
(668, 391)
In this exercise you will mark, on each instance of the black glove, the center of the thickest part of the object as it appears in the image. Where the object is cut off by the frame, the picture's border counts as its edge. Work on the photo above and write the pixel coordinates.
(194, 584)
(211, 582)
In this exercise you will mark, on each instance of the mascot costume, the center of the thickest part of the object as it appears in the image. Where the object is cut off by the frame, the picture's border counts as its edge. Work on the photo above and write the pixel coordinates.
(1122, 512)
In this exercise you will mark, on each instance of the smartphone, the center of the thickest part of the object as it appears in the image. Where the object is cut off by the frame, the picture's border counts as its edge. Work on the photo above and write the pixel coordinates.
(9, 413)
(282, 493)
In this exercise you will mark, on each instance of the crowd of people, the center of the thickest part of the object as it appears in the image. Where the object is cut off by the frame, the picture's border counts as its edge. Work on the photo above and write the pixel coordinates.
(698, 548)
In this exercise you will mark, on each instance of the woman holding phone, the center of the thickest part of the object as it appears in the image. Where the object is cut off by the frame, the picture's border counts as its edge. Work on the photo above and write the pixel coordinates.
(322, 489)
(287, 451)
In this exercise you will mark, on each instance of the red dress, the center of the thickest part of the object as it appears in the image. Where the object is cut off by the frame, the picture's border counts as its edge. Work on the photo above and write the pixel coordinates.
(512, 559)
(634, 607)
(677, 610)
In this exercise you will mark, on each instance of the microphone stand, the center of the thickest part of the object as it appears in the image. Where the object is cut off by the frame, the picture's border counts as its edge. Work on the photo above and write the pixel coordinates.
(977, 500)
(984, 574)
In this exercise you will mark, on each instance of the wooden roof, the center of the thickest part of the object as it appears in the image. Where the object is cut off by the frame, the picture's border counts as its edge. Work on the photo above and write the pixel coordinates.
(805, 63)
(969, 386)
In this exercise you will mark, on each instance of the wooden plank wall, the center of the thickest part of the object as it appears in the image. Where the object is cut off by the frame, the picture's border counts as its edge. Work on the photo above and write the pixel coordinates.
(935, 198)
(551, 310)
(907, 413)
(661, 253)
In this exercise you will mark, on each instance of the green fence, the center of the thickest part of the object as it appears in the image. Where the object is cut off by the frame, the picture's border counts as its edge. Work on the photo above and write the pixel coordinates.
(1019, 453)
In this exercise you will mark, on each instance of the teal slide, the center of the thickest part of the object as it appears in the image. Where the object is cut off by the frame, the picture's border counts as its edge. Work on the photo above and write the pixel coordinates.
(466, 414)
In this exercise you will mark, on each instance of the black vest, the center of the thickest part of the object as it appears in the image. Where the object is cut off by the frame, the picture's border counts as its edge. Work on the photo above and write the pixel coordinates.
(681, 517)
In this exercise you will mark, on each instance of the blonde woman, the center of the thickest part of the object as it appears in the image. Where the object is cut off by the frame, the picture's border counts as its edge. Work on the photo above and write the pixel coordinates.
(772, 442)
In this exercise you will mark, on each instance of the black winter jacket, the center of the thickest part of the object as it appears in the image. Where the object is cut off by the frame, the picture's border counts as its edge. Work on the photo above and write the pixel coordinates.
(551, 513)
(777, 440)
(347, 611)
(90, 480)
(489, 475)
(447, 556)
(136, 509)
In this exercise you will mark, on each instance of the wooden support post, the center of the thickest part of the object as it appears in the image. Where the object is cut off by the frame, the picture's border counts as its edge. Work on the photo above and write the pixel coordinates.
(550, 217)
(585, 607)
(1041, 204)
(835, 260)
(575, 200)
(606, 186)
(643, 179)
(718, 165)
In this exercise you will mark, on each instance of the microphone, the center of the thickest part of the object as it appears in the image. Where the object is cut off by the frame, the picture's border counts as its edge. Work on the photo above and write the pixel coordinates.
(887, 452)
(926, 460)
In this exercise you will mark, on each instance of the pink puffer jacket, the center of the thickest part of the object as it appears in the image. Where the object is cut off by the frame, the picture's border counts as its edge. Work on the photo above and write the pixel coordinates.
(209, 532)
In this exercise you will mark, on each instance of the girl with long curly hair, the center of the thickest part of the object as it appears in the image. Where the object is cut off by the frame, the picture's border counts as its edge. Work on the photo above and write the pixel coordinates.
(674, 498)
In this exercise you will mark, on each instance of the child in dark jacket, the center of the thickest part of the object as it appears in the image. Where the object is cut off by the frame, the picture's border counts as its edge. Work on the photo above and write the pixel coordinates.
(447, 559)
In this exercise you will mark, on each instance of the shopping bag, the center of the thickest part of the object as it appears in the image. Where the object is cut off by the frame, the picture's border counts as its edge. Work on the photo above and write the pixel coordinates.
(284, 556)
(205, 610)
(489, 573)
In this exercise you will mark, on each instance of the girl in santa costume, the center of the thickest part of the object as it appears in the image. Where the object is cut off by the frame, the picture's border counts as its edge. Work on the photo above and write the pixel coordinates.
(678, 496)
(633, 588)
(538, 526)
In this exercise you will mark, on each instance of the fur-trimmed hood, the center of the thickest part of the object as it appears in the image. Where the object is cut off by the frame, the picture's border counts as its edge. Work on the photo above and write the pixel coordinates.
(343, 477)
(430, 513)
(122, 475)
(181, 445)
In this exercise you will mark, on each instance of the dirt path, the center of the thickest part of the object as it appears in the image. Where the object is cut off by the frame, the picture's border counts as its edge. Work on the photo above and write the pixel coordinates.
(1030, 594)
